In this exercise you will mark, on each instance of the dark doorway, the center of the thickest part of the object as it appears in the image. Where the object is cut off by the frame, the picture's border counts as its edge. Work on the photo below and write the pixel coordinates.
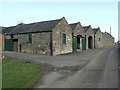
(90, 42)
(20, 47)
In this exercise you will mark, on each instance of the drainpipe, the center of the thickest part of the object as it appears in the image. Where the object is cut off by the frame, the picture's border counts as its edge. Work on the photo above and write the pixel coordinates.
(51, 45)
(72, 41)
(86, 40)
(94, 40)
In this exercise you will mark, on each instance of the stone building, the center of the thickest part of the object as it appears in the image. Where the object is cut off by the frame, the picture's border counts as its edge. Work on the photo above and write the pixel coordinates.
(89, 37)
(78, 36)
(52, 37)
(97, 37)
(1, 39)
(107, 40)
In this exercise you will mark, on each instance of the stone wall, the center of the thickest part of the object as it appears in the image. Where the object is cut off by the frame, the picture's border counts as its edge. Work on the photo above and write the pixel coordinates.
(47, 42)
(2, 41)
(40, 43)
(58, 47)
(79, 31)
(107, 41)
(98, 39)
(88, 33)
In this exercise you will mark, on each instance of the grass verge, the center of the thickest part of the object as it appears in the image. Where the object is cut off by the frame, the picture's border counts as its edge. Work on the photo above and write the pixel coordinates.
(17, 73)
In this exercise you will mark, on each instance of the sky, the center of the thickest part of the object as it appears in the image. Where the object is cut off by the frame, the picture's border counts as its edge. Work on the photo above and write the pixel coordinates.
(96, 14)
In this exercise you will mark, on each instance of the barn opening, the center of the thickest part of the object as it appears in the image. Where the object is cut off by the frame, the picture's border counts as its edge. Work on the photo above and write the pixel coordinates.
(79, 42)
(90, 39)
(11, 44)
(15, 45)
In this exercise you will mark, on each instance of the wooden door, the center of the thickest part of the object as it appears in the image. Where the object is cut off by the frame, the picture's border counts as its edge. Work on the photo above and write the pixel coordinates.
(8, 45)
(15, 45)
(84, 43)
(74, 44)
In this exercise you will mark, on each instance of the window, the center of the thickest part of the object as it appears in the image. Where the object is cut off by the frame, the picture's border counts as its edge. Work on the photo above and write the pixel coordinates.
(99, 39)
(64, 38)
(30, 38)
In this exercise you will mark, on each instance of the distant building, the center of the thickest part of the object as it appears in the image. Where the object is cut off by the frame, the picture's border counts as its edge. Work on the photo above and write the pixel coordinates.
(107, 40)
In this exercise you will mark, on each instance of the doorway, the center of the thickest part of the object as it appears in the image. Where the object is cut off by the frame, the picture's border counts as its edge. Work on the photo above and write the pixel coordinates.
(15, 45)
(79, 42)
(8, 45)
(90, 46)
(74, 44)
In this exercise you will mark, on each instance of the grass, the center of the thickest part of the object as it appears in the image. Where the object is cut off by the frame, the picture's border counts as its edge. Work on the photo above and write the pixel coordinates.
(18, 74)
(0, 72)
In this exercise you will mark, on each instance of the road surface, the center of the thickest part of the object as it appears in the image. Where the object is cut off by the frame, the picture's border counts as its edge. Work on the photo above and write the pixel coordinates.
(100, 72)
(100, 69)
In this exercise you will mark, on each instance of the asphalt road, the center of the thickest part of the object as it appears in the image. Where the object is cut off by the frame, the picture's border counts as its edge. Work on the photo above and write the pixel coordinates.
(100, 69)
(100, 72)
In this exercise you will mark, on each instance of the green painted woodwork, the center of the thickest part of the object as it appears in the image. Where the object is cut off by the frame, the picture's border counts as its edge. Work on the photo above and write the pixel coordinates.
(8, 45)
(30, 38)
(84, 43)
(74, 44)
(64, 38)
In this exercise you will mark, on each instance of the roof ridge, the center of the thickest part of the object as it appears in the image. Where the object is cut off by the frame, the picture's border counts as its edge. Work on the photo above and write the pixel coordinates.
(33, 27)
(42, 21)
(85, 26)
(73, 25)
(107, 34)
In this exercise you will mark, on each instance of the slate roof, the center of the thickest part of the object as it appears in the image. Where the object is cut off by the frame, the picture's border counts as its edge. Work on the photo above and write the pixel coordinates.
(86, 28)
(95, 30)
(108, 35)
(43, 26)
(73, 25)
(0, 29)
(7, 29)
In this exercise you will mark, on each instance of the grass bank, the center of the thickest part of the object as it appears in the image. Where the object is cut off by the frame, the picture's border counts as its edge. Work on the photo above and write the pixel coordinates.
(17, 73)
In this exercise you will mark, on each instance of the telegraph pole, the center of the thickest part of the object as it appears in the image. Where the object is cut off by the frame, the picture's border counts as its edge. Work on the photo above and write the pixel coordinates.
(110, 30)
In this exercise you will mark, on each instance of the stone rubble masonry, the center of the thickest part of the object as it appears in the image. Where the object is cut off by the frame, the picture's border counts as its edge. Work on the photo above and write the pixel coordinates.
(50, 43)
(58, 47)
(41, 42)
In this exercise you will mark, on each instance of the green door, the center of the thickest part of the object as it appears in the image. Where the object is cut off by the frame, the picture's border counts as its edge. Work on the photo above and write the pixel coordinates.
(74, 44)
(8, 45)
(84, 43)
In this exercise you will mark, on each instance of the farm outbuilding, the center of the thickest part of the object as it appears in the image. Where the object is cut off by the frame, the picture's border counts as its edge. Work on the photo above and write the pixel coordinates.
(51, 37)
(107, 40)
(97, 37)
(89, 37)
(1, 39)
(79, 42)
